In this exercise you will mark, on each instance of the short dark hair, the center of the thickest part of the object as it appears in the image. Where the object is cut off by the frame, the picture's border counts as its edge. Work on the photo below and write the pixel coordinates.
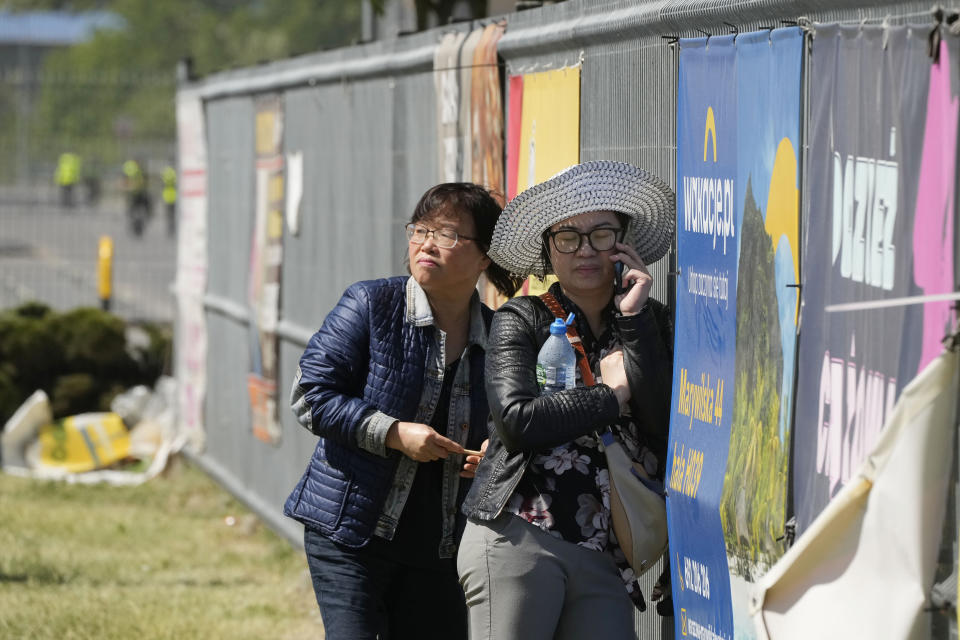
(455, 199)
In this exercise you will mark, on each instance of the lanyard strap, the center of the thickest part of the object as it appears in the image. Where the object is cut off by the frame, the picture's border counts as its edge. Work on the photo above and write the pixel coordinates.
(585, 373)
(574, 338)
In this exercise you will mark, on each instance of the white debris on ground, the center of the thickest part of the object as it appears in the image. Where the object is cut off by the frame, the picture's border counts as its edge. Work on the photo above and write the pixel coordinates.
(127, 446)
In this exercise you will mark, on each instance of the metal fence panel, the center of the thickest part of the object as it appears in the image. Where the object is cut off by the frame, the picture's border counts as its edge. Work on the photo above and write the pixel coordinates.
(230, 134)
(368, 154)
(344, 132)
(231, 196)
(414, 154)
(226, 414)
(365, 120)
(627, 94)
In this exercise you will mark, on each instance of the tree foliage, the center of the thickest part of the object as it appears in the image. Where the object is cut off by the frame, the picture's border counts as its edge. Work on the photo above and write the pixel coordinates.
(217, 34)
(121, 82)
(123, 79)
(441, 11)
(753, 503)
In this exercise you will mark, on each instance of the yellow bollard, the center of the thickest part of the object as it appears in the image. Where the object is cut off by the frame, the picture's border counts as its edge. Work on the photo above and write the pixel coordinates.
(105, 271)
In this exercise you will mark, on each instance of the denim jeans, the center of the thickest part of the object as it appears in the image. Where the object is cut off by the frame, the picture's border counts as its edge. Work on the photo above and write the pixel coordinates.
(365, 595)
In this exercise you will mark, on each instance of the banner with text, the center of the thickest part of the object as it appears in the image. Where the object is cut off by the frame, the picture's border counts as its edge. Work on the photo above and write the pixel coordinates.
(738, 141)
(880, 227)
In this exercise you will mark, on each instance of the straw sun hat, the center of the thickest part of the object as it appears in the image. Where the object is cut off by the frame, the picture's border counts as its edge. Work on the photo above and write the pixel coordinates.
(601, 185)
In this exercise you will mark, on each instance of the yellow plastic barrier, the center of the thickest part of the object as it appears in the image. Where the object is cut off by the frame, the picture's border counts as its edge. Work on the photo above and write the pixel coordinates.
(84, 442)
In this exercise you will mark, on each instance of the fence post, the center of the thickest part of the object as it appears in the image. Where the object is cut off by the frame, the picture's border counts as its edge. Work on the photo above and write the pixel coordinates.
(105, 271)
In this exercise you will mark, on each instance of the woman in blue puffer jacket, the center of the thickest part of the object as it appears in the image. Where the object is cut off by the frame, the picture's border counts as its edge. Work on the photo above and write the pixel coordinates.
(393, 385)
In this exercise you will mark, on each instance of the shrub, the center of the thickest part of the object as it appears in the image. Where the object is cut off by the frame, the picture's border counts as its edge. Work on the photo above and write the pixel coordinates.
(81, 358)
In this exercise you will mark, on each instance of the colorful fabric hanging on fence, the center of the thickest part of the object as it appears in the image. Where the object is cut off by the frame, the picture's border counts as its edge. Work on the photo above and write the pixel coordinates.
(881, 201)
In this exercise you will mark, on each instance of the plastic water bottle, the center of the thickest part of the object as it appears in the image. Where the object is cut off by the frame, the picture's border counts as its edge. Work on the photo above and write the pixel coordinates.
(556, 362)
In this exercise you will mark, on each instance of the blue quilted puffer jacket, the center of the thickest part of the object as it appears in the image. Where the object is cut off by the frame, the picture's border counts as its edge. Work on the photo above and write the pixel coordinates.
(367, 357)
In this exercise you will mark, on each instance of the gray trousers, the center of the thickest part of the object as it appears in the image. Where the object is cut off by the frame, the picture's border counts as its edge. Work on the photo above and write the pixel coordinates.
(521, 583)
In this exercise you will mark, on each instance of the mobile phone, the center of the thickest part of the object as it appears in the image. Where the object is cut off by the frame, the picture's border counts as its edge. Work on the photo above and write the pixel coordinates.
(618, 269)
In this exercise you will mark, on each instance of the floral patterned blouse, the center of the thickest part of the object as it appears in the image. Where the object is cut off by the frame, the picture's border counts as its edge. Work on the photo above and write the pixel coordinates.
(566, 490)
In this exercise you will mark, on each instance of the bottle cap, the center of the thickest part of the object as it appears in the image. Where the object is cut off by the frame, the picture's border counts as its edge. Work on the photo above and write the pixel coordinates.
(558, 327)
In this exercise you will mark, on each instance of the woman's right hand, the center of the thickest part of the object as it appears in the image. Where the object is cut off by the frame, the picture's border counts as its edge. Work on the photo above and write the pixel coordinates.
(420, 442)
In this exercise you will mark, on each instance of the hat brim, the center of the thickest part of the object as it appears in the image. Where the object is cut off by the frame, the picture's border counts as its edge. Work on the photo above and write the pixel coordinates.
(601, 185)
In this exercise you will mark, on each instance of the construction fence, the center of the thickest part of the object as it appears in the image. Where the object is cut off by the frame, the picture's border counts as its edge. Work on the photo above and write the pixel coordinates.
(298, 176)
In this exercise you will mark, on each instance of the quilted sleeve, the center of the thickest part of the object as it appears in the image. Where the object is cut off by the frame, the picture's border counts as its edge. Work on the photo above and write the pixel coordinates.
(525, 420)
(327, 392)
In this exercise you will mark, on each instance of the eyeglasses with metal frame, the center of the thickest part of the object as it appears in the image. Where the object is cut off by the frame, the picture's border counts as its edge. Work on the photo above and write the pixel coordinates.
(570, 240)
(443, 238)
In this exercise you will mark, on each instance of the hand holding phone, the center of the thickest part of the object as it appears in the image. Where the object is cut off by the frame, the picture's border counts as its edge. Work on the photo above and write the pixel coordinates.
(633, 297)
(618, 269)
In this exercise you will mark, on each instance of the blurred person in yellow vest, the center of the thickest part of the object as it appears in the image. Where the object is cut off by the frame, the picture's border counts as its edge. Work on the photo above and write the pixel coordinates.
(138, 198)
(170, 197)
(67, 176)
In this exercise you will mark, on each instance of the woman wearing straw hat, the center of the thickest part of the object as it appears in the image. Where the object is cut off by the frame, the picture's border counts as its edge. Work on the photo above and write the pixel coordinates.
(393, 385)
(537, 559)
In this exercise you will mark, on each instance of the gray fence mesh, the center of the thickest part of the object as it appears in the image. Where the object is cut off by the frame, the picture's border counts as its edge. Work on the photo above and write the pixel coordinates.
(48, 247)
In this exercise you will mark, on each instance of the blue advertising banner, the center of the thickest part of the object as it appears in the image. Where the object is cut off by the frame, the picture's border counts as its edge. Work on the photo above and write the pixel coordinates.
(879, 232)
(738, 133)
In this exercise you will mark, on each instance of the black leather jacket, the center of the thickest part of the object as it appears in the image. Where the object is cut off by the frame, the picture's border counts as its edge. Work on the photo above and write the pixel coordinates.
(527, 423)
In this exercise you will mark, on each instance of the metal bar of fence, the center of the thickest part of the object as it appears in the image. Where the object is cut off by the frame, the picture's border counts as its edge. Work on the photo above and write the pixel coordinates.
(288, 331)
(381, 64)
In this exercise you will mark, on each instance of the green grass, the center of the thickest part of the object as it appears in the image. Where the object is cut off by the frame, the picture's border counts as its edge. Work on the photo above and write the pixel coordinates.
(154, 561)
